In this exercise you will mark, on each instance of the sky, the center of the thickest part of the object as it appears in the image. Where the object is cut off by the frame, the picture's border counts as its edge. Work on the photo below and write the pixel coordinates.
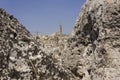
(44, 16)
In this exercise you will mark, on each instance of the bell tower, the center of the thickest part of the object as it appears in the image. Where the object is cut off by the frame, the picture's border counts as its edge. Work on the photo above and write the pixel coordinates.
(60, 29)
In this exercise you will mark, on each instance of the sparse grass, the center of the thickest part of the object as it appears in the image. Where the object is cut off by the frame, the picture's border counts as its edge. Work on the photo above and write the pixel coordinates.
(34, 69)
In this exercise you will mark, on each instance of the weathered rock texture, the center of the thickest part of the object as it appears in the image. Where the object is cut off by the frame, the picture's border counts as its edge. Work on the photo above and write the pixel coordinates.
(21, 57)
(94, 49)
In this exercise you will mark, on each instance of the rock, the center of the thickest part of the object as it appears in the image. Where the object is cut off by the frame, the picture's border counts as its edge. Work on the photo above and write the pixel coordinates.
(92, 52)
(94, 47)
(21, 57)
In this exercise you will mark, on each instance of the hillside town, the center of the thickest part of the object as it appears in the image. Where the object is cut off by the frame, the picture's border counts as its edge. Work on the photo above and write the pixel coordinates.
(54, 43)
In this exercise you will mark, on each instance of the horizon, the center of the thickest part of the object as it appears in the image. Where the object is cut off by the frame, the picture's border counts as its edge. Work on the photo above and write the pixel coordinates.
(43, 16)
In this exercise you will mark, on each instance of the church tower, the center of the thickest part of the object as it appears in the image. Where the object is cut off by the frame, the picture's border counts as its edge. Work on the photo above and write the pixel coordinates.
(60, 29)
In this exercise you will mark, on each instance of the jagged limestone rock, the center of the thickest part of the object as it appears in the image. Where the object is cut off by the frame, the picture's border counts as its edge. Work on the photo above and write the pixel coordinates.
(21, 57)
(93, 51)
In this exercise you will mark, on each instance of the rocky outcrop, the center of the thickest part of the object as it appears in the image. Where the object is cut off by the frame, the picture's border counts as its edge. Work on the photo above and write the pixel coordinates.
(94, 48)
(21, 57)
(92, 53)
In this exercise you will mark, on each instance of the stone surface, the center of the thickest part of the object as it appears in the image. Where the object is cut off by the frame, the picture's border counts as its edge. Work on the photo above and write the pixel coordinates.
(93, 51)
(21, 57)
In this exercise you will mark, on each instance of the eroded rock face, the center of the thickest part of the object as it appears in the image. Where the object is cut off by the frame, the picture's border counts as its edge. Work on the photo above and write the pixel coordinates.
(94, 49)
(21, 57)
